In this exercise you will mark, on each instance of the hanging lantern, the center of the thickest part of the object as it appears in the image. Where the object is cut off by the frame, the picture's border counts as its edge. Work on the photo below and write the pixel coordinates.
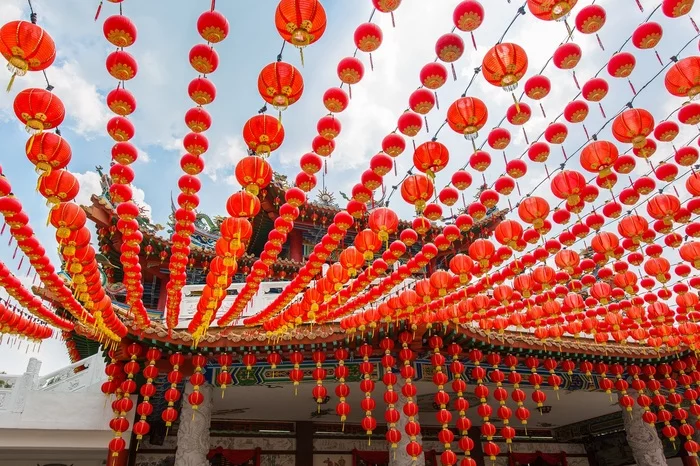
(350, 71)
(212, 26)
(590, 20)
(26, 47)
(280, 84)
(548, 10)
(647, 36)
(409, 124)
(633, 126)
(595, 90)
(683, 78)
(467, 116)
(300, 22)
(253, 173)
(433, 75)
(47, 152)
(431, 157)
(121, 101)
(567, 56)
(504, 65)
(449, 48)
(468, 16)
(417, 190)
(368, 37)
(335, 100)
(121, 65)
(421, 101)
(263, 134)
(202, 91)
(39, 110)
(676, 8)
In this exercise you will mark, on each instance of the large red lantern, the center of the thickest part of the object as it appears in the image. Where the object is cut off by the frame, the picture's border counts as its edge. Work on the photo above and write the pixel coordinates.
(26, 47)
(467, 116)
(58, 186)
(683, 78)
(300, 22)
(431, 157)
(48, 151)
(39, 110)
(599, 157)
(534, 210)
(417, 190)
(119, 31)
(280, 84)
(384, 222)
(633, 126)
(253, 173)
(263, 134)
(549, 10)
(504, 65)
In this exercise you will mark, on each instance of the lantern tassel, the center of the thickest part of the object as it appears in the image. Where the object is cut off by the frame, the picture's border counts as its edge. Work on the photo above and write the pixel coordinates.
(437, 102)
(427, 129)
(600, 42)
(213, 5)
(601, 109)
(21, 261)
(473, 40)
(12, 81)
(371, 63)
(695, 25)
(542, 108)
(393, 22)
(301, 53)
(454, 72)
(658, 57)
(99, 9)
(639, 4)
(395, 170)
(515, 100)
(350, 90)
(634, 91)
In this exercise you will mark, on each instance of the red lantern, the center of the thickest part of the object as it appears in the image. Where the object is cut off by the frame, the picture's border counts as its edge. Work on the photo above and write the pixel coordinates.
(504, 65)
(548, 10)
(335, 100)
(212, 26)
(467, 116)
(410, 124)
(433, 75)
(300, 22)
(468, 16)
(253, 173)
(263, 134)
(121, 65)
(26, 47)
(280, 84)
(633, 126)
(368, 37)
(39, 110)
(431, 157)
(567, 56)
(683, 78)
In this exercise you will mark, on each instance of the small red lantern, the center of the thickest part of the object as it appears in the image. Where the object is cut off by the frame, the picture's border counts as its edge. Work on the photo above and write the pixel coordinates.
(39, 110)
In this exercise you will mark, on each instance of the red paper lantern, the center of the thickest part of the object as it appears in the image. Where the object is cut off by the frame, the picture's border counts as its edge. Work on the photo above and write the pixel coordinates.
(467, 116)
(39, 110)
(504, 65)
(300, 22)
(280, 84)
(26, 47)
(263, 134)
(212, 26)
(683, 78)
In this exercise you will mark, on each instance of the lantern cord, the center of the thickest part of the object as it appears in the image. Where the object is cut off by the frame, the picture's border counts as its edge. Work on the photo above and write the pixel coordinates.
(521, 11)
(279, 55)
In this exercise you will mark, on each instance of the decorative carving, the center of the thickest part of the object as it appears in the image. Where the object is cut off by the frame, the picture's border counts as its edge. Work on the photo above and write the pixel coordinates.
(193, 432)
(277, 460)
(643, 439)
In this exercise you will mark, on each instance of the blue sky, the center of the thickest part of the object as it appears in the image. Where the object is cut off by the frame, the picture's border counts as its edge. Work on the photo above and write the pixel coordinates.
(167, 32)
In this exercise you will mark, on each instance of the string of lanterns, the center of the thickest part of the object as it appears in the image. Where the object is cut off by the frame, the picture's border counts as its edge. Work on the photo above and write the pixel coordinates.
(213, 27)
(121, 32)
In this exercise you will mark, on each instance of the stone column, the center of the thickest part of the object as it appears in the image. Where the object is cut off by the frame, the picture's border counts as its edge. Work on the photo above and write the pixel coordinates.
(29, 381)
(193, 432)
(642, 438)
(402, 457)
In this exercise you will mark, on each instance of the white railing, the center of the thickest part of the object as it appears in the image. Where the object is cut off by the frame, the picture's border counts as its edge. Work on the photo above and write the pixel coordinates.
(190, 297)
(85, 375)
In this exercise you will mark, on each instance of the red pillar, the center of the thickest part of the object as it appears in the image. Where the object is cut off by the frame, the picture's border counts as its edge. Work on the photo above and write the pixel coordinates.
(296, 246)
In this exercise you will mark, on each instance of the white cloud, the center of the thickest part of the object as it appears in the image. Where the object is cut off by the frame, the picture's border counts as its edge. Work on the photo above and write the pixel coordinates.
(90, 184)
(223, 158)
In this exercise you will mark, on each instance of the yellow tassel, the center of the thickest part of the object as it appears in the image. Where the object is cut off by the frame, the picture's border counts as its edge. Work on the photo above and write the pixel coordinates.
(12, 81)
(301, 52)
